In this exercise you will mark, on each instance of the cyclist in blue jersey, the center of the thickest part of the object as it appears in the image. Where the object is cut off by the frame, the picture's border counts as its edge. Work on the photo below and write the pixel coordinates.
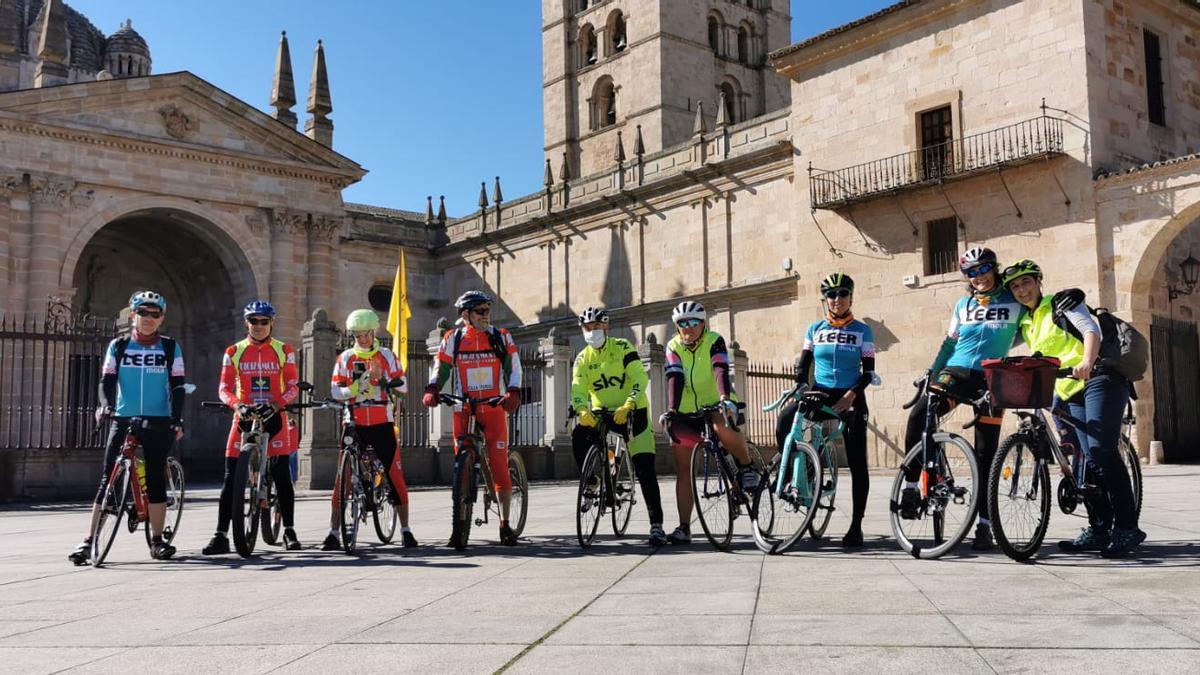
(142, 376)
(983, 326)
(843, 350)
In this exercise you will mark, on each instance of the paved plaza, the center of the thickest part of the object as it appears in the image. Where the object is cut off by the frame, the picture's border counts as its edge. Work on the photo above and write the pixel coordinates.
(546, 606)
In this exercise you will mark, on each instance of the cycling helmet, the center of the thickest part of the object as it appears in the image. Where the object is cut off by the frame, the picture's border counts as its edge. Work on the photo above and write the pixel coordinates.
(1022, 268)
(688, 309)
(471, 300)
(974, 257)
(259, 308)
(837, 280)
(143, 298)
(592, 315)
(361, 320)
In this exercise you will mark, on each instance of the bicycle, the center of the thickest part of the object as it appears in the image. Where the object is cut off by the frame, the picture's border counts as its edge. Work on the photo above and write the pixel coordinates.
(715, 480)
(803, 477)
(1019, 479)
(472, 468)
(606, 482)
(948, 479)
(127, 498)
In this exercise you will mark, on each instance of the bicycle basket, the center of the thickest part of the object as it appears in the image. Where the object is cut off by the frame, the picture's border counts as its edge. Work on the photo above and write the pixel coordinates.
(1021, 381)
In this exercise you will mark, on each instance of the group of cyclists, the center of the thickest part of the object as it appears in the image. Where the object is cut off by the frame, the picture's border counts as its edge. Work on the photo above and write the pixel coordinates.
(143, 373)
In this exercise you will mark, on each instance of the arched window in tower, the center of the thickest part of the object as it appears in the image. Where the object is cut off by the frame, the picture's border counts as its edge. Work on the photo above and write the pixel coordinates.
(604, 104)
(731, 102)
(714, 33)
(587, 46)
(618, 41)
(743, 45)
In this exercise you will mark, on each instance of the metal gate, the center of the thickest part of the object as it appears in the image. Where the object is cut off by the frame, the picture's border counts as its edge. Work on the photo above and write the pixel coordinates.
(1175, 350)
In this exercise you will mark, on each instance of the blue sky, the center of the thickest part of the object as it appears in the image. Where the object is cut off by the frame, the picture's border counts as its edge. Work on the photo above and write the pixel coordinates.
(430, 97)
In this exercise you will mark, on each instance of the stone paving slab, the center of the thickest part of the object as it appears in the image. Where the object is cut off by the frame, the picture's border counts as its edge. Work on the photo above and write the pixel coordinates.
(548, 606)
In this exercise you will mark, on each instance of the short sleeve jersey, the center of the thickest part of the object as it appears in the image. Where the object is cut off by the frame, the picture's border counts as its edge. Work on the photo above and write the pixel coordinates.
(143, 383)
(984, 327)
(838, 352)
(478, 371)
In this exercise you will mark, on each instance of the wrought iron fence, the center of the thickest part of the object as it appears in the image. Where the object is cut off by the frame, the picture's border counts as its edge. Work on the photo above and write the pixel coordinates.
(765, 383)
(527, 426)
(50, 378)
(1013, 144)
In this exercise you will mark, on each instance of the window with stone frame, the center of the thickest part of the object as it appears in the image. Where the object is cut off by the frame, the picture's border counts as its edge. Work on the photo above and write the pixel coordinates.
(380, 297)
(714, 33)
(743, 45)
(732, 96)
(617, 38)
(1156, 101)
(941, 246)
(587, 46)
(937, 150)
(604, 104)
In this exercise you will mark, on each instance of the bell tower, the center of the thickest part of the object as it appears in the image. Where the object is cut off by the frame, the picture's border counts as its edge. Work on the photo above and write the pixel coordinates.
(614, 65)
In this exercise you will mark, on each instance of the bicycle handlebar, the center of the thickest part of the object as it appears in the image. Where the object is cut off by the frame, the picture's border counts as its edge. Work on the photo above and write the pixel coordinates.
(451, 400)
(921, 385)
(794, 392)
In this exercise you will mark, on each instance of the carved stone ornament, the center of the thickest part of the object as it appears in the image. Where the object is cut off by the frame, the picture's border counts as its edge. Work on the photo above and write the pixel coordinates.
(176, 122)
(256, 223)
(50, 190)
(9, 183)
(284, 221)
(324, 227)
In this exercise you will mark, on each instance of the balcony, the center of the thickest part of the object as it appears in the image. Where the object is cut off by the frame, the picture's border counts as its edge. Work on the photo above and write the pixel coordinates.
(1013, 145)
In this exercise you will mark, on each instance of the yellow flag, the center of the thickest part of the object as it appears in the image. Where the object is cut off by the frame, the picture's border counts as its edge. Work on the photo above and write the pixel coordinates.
(399, 314)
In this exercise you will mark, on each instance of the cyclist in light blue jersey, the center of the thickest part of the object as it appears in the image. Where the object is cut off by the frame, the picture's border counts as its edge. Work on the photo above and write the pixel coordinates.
(983, 326)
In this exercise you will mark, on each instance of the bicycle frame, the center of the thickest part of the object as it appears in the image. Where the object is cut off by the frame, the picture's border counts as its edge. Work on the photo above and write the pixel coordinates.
(804, 430)
(129, 447)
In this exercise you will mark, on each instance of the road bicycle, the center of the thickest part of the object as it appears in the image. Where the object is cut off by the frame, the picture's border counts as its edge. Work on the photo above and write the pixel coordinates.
(606, 482)
(473, 469)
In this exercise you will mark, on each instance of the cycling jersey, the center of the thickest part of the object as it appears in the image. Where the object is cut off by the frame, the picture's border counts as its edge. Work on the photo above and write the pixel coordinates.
(352, 382)
(608, 377)
(252, 374)
(839, 351)
(477, 370)
(1043, 335)
(698, 377)
(143, 383)
(982, 326)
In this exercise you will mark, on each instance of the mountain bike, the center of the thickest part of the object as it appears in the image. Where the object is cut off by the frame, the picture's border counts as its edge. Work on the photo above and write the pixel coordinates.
(803, 477)
(473, 469)
(606, 482)
(949, 479)
(1019, 479)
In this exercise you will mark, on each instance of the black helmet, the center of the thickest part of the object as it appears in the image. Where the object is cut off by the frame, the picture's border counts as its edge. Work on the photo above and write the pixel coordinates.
(471, 300)
(837, 280)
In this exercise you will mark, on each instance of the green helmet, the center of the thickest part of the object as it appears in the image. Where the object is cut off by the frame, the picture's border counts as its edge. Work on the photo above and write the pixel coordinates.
(362, 319)
(1021, 268)
(837, 280)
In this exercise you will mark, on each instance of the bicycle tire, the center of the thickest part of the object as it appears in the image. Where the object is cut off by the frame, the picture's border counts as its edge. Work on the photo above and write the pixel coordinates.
(589, 501)
(795, 504)
(1016, 459)
(245, 502)
(384, 515)
(827, 501)
(113, 507)
(175, 495)
(1133, 465)
(270, 518)
(518, 509)
(764, 513)
(710, 483)
(623, 487)
(462, 496)
(349, 501)
(932, 509)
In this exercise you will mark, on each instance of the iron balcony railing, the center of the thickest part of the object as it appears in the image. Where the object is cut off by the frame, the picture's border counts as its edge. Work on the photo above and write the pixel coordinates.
(1007, 146)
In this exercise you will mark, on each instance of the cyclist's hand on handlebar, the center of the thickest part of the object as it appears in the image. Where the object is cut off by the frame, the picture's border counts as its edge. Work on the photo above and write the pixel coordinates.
(667, 418)
(620, 415)
(1083, 371)
(430, 399)
(586, 418)
(728, 408)
(843, 404)
(511, 400)
(102, 413)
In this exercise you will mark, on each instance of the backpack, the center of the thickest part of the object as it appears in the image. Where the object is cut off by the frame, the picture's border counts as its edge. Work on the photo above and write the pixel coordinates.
(494, 339)
(1123, 349)
(169, 348)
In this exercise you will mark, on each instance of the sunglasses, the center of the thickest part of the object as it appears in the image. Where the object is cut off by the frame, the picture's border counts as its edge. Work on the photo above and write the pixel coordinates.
(152, 313)
(982, 269)
(258, 322)
(689, 323)
(482, 312)
(837, 293)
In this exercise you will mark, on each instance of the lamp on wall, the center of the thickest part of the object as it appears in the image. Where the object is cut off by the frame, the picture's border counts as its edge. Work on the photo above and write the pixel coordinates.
(1190, 269)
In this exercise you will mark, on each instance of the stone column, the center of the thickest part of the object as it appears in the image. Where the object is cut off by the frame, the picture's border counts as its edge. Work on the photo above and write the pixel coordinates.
(49, 197)
(741, 366)
(321, 231)
(9, 185)
(318, 447)
(441, 418)
(556, 399)
(654, 360)
(284, 226)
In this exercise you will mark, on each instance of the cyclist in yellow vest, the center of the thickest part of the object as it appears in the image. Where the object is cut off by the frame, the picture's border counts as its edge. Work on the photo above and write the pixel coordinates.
(699, 374)
(259, 372)
(608, 375)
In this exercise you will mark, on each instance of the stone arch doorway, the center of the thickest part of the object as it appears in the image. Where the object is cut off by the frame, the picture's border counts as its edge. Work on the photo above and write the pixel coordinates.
(206, 279)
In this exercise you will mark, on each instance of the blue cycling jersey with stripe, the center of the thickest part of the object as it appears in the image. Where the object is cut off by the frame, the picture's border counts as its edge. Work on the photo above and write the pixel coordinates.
(838, 352)
(143, 383)
(984, 326)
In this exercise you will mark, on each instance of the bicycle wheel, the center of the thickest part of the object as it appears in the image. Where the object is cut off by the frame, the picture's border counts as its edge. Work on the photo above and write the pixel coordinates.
(350, 501)
(623, 486)
(247, 500)
(384, 514)
(826, 502)
(115, 505)
(175, 493)
(462, 496)
(589, 506)
(519, 505)
(270, 517)
(763, 504)
(1134, 466)
(797, 491)
(712, 495)
(1018, 497)
(949, 503)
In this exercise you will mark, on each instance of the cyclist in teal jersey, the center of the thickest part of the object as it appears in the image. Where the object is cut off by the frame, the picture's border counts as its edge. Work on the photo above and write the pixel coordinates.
(983, 326)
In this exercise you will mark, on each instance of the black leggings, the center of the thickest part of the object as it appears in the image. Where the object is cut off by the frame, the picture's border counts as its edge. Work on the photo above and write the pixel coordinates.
(583, 438)
(855, 438)
(967, 383)
(280, 471)
(156, 439)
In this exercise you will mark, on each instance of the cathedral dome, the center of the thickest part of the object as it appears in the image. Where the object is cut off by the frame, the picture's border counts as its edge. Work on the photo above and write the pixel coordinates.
(126, 53)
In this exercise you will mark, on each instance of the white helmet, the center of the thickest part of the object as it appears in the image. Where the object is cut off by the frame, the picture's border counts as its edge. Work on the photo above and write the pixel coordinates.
(592, 315)
(688, 309)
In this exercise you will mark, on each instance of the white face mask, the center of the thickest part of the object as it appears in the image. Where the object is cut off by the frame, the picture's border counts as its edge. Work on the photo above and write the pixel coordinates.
(594, 338)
